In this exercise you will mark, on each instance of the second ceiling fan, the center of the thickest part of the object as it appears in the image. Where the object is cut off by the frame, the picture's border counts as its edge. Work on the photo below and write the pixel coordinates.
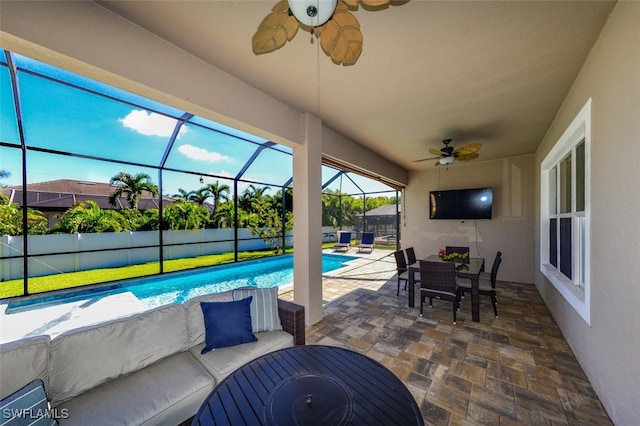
(447, 154)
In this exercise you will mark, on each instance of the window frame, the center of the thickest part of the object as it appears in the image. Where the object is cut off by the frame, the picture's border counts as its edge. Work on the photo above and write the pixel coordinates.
(575, 290)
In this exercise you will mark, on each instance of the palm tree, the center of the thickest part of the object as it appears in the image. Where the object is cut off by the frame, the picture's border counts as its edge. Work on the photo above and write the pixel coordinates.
(219, 193)
(88, 217)
(251, 194)
(132, 186)
(224, 216)
(11, 219)
(200, 196)
(184, 214)
(183, 195)
(4, 174)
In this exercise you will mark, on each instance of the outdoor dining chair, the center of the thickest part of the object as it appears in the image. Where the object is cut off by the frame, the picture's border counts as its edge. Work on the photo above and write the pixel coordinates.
(411, 255)
(438, 281)
(401, 268)
(487, 284)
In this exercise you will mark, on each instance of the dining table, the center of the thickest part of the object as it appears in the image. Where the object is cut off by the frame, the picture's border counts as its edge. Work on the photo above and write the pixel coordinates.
(470, 270)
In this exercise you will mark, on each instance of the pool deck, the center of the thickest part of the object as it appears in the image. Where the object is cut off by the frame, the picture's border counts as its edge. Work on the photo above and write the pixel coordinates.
(371, 270)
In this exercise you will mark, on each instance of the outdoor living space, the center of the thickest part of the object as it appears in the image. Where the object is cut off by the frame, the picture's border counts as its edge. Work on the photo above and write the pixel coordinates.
(534, 100)
(515, 369)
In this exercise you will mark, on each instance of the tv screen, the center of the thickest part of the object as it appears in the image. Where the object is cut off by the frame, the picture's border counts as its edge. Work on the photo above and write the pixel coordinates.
(475, 203)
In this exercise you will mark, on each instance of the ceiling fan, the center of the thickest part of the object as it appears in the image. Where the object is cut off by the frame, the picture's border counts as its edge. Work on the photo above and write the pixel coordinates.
(329, 20)
(448, 155)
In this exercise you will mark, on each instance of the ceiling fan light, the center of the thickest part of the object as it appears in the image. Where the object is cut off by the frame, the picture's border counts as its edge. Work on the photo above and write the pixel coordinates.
(446, 160)
(312, 13)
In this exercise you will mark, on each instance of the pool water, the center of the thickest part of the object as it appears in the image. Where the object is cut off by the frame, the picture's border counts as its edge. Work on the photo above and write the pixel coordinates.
(177, 287)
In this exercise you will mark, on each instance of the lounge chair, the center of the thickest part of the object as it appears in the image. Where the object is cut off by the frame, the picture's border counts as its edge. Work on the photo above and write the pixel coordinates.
(345, 242)
(367, 242)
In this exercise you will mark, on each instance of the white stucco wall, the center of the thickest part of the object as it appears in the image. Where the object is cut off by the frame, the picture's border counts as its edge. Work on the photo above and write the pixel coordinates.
(511, 230)
(609, 349)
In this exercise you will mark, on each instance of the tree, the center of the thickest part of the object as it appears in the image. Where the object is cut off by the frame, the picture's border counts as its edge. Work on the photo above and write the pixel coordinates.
(251, 194)
(269, 226)
(219, 193)
(224, 216)
(183, 194)
(183, 214)
(88, 217)
(11, 219)
(132, 186)
(331, 208)
(200, 196)
(3, 175)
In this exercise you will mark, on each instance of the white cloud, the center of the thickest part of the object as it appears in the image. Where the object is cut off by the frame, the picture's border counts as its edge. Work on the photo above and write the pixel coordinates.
(150, 124)
(201, 154)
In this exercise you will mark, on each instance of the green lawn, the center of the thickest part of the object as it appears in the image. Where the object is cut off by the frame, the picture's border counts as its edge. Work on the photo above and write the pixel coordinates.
(95, 276)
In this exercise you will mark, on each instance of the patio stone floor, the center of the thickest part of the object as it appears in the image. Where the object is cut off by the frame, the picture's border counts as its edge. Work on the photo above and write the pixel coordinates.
(517, 369)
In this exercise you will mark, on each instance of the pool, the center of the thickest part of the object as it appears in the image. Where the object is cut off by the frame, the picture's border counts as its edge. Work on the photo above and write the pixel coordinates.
(177, 287)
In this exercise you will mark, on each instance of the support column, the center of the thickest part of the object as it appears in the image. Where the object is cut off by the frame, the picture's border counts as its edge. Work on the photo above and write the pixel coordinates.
(307, 222)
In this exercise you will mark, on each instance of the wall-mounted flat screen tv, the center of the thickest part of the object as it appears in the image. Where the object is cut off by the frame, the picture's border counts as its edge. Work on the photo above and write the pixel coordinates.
(475, 203)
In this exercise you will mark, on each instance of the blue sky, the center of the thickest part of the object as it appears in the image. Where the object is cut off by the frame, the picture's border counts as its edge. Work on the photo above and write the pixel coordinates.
(128, 128)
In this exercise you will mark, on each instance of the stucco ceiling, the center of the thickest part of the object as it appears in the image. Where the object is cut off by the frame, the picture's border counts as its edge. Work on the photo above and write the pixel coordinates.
(493, 72)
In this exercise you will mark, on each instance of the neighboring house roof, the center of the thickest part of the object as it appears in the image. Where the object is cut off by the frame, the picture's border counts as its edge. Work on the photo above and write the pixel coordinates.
(387, 210)
(63, 193)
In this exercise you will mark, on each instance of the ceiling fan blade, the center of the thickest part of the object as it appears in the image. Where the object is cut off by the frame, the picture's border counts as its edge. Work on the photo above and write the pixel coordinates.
(340, 37)
(468, 149)
(275, 30)
(435, 151)
(467, 157)
(426, 159)
(375, 3)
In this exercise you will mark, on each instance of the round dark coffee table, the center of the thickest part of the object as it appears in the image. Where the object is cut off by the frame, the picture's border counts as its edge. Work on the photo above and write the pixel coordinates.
(310, 385)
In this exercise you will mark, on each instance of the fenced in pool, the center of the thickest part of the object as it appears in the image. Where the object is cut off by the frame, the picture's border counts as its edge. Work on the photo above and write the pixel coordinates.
(177, 287)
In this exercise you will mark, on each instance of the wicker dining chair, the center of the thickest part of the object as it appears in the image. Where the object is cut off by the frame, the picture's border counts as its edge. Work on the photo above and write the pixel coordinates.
(487, 284)
(401, 267)
(438, 281)
(411, 255)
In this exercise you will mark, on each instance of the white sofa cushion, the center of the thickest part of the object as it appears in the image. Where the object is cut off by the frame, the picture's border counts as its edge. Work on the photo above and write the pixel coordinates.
(264, 307)
(195, 318)
(84, 358)
(23, 361)
(167, 392)
(223, 361)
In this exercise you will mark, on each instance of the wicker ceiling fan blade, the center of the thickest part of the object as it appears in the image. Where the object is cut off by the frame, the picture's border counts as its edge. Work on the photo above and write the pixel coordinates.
(435, 151)
(375, 3)
(340, 37)
(467, 157)
(275, 30)
(468, 149)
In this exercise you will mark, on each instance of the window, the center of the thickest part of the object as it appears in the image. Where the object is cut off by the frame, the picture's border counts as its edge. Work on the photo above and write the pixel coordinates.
(564, 214)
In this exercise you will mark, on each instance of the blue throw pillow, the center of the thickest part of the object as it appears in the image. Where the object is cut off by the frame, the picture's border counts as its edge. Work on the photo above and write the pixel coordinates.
(27, 406)
(227, 324)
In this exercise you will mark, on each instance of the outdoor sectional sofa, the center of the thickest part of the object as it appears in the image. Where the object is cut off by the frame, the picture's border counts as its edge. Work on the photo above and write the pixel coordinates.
(145, 369)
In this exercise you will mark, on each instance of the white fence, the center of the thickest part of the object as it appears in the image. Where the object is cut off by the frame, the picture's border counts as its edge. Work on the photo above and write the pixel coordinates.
(80, 252)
